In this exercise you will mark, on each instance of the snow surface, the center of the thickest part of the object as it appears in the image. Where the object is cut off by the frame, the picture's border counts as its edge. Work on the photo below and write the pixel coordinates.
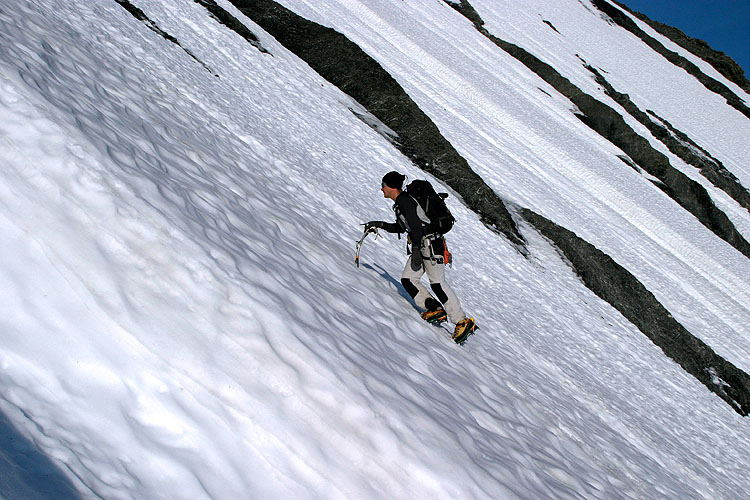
(182, 317)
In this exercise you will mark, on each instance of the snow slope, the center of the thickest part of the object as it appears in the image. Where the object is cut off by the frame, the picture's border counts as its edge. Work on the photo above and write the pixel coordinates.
(182, 318)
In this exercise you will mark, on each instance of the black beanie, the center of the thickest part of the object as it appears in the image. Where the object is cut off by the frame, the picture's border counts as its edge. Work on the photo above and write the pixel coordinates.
(394, 180)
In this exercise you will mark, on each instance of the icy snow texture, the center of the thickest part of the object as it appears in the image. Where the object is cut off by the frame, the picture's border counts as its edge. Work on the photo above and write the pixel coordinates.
(180, 311)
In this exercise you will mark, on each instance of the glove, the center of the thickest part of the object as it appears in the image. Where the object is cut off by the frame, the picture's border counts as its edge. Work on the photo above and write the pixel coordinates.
(416, 260)
(374, 224)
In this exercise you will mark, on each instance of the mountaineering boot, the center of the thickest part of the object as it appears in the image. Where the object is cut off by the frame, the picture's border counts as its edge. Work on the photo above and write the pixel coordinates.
(435, 317)
(435, 314)
(464, 328)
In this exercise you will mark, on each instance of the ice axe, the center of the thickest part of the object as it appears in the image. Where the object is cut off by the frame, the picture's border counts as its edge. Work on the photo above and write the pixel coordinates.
(368, 230)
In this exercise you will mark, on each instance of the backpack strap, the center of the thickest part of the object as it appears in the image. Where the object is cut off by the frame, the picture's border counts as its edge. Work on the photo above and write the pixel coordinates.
(401, 219)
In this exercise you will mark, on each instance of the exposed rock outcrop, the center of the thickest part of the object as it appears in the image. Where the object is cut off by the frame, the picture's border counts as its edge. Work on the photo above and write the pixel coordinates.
(347, 66)
(719, 60)
(622, 19)
(150, 24)
(614, 284)
(608, 123)
(599, 272)
(680, 144)
(231, 22)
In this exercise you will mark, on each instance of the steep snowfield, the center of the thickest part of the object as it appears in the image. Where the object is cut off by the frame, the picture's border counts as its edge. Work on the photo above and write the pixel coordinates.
(533, 151)
(182, 318)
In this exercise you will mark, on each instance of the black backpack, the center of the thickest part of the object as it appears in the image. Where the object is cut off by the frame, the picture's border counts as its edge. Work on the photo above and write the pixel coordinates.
(433, 204)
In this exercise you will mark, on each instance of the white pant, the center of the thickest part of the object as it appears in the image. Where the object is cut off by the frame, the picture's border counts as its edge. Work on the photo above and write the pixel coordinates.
(435, 268)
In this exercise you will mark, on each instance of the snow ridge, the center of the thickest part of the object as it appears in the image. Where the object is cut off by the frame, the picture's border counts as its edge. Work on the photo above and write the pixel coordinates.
(182, 318)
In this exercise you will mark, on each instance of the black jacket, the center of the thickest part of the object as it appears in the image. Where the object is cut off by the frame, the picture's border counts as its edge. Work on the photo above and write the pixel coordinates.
(407, 218)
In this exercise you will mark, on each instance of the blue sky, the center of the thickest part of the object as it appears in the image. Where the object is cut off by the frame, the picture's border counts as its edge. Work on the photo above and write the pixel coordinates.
(724, 24)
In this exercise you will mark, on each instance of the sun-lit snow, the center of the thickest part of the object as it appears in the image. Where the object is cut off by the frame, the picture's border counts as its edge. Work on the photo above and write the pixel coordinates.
(180, 311)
